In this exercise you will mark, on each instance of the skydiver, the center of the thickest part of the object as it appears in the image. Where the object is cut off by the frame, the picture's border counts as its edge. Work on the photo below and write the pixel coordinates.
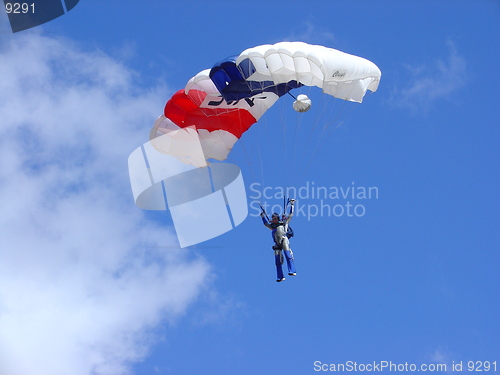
(281, 233)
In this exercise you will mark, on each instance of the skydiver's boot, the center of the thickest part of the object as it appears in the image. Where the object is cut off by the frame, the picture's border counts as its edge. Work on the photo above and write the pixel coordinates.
(278, 258)
(290, 263)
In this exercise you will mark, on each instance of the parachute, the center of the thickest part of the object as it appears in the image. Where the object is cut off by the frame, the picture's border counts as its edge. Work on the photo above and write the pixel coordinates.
(211, 113)
(222, 103)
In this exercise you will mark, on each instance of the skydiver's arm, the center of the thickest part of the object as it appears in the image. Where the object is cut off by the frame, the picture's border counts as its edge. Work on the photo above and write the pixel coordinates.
(290, 215)
(265, 221)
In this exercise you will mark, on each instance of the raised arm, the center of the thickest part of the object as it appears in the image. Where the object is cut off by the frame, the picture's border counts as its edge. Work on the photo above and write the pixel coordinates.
(290, 215)
(265, 220)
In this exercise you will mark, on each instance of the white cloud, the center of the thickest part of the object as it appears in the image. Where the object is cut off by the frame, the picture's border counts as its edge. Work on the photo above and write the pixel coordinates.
(4, 24)
(431, 82)
(309, 31)
(82, 285)
(439, 356)
(442, 356)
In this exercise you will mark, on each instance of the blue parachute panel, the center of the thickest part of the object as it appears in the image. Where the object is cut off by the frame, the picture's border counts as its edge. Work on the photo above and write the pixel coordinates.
(231, 81)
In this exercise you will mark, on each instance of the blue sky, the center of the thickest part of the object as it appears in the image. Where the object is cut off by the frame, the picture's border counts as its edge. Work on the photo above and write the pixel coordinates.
(90, 284)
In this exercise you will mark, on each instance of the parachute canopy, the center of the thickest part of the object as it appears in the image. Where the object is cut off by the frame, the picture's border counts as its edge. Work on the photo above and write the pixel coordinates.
(222, 103)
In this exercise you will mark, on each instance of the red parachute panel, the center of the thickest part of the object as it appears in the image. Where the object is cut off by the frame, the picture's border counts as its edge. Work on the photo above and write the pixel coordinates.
(184, 110)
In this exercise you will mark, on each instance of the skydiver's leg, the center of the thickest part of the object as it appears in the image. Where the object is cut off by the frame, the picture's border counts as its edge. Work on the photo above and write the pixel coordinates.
(282, 240)
(289, 261)
(278, 259)
(285, 244)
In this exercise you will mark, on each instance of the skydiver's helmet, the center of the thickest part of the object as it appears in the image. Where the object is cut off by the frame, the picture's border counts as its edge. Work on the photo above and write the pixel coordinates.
(275, 215)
